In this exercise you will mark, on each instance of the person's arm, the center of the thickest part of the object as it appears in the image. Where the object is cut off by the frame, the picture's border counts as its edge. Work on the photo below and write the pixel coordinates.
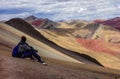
(27, 46)
(31, 47)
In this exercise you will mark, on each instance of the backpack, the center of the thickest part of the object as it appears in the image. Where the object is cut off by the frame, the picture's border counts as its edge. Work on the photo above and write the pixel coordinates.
(15, 51)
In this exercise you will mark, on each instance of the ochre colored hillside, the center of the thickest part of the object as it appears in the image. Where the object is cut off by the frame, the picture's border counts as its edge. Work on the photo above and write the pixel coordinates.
(107, 54)
(107, 34)
(99, 46)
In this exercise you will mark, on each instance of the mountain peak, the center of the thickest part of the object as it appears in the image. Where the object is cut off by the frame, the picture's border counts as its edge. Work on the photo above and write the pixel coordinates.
(114, 22)
(32, 17)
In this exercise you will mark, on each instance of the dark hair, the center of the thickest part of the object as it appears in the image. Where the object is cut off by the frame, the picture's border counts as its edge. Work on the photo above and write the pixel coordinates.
(23, 38)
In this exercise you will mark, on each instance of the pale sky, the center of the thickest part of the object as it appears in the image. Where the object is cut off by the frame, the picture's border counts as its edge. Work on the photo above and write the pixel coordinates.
(60, 9)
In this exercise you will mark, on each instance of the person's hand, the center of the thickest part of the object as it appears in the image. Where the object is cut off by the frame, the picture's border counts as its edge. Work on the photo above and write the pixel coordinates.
(31, 47)
(36, 50)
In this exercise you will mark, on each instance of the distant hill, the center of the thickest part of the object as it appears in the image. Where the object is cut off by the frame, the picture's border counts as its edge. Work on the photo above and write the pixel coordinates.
(27, 28)
(101, 50)
(87, 30)
(41, 22)
(76, 23)
(44, 23)
(23, 26)
(30, 19)
(115, 22)
(90, 30)
(98, 20)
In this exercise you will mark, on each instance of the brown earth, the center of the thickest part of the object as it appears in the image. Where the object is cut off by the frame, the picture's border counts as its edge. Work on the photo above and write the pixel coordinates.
(15, 68)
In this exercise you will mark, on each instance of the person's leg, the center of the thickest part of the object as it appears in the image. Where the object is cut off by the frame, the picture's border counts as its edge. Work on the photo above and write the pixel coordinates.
(31, 57)
(37, 57)
(27, 54)
(33, 54)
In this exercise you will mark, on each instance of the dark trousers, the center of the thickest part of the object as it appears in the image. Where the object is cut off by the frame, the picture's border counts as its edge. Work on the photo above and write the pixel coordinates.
(32, 54)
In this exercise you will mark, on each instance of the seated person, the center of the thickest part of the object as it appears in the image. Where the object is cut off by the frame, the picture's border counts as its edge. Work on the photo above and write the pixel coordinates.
(24, 50)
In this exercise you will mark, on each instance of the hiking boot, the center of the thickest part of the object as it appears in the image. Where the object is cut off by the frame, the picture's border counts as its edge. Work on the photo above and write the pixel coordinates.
(41, 61)
(44, 64)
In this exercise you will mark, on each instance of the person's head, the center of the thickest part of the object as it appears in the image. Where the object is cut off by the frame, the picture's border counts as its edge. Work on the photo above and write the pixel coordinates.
(23, 39)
